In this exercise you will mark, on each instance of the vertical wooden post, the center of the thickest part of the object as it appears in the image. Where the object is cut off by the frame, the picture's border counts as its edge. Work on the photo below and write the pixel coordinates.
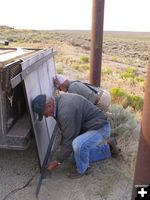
(96, 41)
(142, 170)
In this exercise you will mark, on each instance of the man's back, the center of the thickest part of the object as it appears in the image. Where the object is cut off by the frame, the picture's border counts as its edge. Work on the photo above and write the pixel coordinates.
(80, 88)
(75, 106)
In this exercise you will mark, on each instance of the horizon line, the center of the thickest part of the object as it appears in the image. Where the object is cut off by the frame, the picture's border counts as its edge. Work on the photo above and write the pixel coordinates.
(66, 29)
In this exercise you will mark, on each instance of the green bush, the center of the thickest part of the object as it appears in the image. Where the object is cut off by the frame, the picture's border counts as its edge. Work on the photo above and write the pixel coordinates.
(135, 102)
(125, 75)
(117, 92)
(131, 70)
(129, 73)
(107, 70)
(84, 58)
(140, 79)
(59, 69)
(114, 59)
(118, 95)
(122, 121)
(81, 67)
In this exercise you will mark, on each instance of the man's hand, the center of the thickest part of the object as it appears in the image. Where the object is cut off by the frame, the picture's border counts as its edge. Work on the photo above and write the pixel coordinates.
(53, 165)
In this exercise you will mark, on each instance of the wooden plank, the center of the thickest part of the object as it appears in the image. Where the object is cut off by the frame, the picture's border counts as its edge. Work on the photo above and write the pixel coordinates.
(16, 80)
(2, 128)
(14, 55)
(51, 72)
(47, 87)
(21, 128)
(32, 90)
(5, 51)
(35, 65)
(40, 82)
(36, 57)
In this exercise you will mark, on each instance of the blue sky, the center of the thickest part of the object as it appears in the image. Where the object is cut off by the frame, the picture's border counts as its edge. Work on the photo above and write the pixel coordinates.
(123, 15)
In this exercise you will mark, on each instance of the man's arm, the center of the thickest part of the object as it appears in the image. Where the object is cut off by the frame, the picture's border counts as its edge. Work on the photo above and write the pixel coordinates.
(70, 129)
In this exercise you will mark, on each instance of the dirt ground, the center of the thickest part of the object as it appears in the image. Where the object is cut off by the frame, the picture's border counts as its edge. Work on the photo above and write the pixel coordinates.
(109, 179)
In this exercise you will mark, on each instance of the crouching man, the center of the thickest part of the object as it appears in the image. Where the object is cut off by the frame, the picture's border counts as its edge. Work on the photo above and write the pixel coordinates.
(97, 96)
(83, 127)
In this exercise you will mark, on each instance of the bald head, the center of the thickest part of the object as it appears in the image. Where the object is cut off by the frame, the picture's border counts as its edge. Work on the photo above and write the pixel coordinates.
(49, 108)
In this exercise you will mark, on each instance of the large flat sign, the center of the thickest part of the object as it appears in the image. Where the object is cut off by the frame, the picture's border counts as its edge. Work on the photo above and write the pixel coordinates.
(37, 73)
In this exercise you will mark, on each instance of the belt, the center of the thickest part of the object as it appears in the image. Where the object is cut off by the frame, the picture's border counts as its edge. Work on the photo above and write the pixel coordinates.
(99, 95)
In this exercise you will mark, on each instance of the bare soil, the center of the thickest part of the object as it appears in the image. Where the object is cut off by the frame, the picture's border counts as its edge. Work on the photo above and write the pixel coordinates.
(109, 179)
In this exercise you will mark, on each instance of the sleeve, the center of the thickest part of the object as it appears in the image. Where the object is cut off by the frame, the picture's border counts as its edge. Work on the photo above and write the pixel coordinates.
(70, 128)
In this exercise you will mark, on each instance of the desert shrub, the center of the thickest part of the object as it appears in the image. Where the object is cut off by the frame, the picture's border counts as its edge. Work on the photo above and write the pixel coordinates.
(139, 79)
(84, 67)
(118, 95)
(60, 58)
(84, 58)
(142, 85)
(125, 75)
(130, 73)
(59, 69)
(107, 70)
(114, 58)
(135, 102)
(10, 39)
(76, 66)
(131, 70)
(122, 121)
(118, 92)
(81, 67)
(36, 41)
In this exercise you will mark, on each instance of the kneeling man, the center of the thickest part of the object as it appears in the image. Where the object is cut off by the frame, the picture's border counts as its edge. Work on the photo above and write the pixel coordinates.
(83, 127)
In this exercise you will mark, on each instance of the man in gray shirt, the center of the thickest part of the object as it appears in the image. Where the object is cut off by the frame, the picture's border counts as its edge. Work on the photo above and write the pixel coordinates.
(101, 98)
(83, 128)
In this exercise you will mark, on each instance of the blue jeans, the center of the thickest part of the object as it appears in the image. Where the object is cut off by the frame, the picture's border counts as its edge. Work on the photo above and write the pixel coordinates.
(88, 147)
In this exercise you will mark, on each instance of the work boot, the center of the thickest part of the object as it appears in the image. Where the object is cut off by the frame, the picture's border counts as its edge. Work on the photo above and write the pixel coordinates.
(113, 146)
(74, 174)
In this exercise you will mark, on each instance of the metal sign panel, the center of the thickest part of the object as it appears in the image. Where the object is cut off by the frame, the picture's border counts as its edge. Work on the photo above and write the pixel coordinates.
(40, 81)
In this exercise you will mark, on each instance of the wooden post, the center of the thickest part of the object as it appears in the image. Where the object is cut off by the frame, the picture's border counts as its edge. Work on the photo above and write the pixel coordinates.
(142, 170)
(96, 41)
